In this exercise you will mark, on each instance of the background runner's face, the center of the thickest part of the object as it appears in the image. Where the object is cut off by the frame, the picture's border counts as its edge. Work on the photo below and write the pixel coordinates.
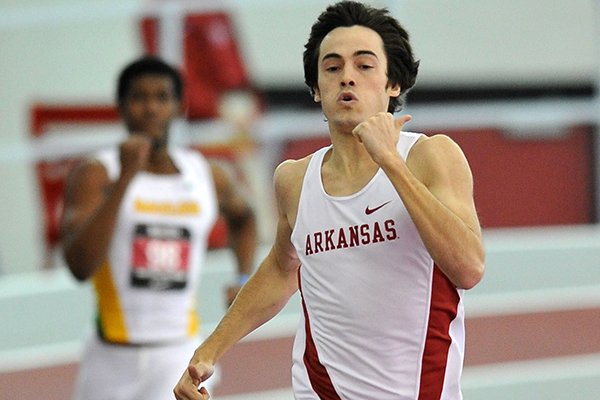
(150, 105)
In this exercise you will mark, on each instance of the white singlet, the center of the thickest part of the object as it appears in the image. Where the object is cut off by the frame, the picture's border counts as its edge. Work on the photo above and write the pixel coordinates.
(147, 320)
(380, 321)
(146, 290)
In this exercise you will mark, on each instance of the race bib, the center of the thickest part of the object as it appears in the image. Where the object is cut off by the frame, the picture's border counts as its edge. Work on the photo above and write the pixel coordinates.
(160, 257)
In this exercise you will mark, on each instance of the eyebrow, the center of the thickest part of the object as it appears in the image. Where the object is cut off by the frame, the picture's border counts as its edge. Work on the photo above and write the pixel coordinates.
(356, 54)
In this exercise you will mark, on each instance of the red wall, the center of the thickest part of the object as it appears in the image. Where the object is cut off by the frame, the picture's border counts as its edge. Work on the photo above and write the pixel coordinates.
(519, 182)
(531, 182)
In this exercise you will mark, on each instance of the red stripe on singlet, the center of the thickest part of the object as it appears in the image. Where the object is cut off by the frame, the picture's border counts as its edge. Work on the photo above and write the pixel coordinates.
(317, 373)
(443, 310)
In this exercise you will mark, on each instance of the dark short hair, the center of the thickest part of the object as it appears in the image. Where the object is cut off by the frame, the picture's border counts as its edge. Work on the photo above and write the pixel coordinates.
(147, 65)
(402, 67)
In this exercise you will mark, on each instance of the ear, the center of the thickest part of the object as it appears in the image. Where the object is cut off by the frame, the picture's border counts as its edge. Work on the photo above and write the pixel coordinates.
(394, 90)
(179, 108)
(120, 104)
(122, 110)
(317, 96)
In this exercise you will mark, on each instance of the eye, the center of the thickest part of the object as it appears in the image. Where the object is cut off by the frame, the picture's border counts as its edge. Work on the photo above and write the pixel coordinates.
(164, 96)
(136, 96)
(332, 68)
(365, 66)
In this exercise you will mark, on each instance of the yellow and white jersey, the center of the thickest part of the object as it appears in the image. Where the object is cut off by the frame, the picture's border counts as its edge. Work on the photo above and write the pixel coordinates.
(146, 289)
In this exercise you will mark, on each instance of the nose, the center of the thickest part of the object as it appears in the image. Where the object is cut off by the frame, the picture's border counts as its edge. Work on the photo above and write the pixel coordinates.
(347, 78)
(152, 105)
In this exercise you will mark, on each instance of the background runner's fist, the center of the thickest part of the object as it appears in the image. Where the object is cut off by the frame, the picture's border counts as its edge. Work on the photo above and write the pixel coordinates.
(134, 154)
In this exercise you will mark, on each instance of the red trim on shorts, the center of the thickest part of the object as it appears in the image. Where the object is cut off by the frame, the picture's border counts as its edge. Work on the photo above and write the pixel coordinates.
(317, 373)
(443, 310)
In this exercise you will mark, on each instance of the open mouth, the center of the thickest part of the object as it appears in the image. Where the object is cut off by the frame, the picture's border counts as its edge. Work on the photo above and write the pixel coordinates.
(346, 97)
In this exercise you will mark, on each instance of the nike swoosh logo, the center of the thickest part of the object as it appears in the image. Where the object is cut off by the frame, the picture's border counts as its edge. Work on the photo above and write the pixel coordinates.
(370, 211)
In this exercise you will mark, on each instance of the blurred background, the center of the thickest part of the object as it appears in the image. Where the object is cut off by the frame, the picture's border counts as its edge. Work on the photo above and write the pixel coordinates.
(514, 83)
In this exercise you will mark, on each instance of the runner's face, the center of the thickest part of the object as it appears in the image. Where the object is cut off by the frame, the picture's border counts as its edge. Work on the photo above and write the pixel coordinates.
(150, 105)
(352, 76)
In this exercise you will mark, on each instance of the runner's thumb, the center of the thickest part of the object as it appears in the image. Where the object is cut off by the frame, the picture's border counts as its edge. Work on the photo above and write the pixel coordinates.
(401, 120)
(195, 374)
